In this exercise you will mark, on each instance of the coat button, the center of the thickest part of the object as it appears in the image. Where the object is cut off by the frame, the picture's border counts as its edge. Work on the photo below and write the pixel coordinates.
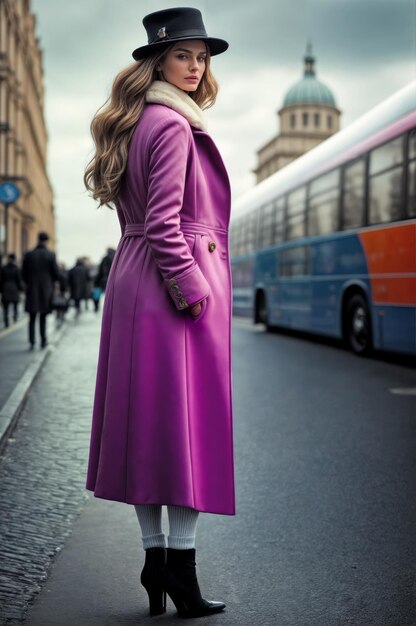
(211, 246)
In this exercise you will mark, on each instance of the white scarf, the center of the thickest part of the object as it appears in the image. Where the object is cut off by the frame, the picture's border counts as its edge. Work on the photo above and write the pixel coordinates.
(162, 92)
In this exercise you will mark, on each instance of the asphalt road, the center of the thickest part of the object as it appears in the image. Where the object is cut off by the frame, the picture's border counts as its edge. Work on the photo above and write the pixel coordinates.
(325, 531)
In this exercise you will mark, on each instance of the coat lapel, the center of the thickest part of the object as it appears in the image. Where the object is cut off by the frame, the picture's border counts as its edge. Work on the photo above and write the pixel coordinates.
(200, 134)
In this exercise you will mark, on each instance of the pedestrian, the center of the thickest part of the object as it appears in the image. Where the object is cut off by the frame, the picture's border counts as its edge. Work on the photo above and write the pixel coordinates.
(78, 279)
(162, 427)
(39, 272)
(100, 282)
(88, 288)
(60, 302)
(10, 287)
(95, 297)
(104, 269)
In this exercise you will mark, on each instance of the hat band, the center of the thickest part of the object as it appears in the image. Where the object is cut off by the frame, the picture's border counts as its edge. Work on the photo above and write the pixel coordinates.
(162, 35)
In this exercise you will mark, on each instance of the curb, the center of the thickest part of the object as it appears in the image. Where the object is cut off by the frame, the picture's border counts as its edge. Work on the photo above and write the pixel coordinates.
(11, 410)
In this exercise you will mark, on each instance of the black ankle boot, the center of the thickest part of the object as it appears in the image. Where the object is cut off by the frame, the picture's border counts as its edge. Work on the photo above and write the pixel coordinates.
(182, 586)
(151, 578)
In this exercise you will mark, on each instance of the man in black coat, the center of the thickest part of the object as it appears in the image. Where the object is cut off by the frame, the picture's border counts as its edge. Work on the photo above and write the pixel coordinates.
(10, 286)
(39, 271)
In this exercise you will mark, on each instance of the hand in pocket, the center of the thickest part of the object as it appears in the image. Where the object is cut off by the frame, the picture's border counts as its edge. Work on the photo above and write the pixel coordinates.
(196, 309)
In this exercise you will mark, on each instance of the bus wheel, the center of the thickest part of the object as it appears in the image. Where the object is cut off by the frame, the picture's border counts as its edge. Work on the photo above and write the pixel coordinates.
(358, 325)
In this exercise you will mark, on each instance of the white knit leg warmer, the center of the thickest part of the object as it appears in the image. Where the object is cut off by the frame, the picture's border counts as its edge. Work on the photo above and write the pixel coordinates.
(182, 527)
(150, 520)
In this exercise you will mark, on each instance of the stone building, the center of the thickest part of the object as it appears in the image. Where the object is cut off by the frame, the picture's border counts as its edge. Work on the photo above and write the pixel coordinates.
(23, 135)
(308, 116)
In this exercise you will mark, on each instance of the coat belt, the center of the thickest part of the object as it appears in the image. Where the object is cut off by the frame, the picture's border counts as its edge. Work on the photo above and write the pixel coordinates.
(137, 230)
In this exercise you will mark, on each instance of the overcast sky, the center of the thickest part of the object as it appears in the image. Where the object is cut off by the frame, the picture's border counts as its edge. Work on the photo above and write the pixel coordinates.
(365, 51)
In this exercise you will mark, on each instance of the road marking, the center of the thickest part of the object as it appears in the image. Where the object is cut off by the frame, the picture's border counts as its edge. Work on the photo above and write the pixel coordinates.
(404, 391)
(12, 329)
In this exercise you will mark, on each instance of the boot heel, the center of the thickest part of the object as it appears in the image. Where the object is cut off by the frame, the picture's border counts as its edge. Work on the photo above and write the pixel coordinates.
(178, 602)
(157, 601)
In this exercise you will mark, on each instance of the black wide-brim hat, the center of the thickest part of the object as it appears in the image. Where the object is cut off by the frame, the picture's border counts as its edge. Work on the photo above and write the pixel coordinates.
(178, 24)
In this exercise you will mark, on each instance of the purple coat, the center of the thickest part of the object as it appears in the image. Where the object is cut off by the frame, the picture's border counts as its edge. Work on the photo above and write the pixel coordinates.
(162, 430)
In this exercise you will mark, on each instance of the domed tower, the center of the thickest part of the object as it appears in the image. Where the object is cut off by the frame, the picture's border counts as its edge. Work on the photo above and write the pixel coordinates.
(308, 116)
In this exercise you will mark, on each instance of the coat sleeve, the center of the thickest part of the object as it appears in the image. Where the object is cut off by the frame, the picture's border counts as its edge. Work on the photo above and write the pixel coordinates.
(168, 151)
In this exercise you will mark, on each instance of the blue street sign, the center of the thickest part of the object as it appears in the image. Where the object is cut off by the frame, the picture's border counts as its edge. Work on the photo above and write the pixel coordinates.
(9, 193)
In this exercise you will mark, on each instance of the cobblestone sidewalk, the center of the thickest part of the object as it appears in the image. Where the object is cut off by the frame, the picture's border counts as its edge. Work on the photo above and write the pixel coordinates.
(43, 468)
(15, 356)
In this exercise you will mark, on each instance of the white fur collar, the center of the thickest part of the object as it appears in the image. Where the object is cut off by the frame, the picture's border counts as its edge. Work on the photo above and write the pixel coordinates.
(163, 92)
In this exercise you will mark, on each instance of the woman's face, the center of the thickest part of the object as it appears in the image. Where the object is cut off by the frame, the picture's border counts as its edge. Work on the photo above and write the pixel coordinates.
(184, 64)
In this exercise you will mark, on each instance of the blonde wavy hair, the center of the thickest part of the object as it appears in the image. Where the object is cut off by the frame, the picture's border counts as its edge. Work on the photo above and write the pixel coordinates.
(113, 124)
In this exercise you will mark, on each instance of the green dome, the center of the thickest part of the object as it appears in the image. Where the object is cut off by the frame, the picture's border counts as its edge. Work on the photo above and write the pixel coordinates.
(309, 89)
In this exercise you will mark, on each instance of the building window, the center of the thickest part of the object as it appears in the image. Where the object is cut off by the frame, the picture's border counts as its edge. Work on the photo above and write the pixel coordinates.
(293, 120)
(305, 119)
(329, 121)
(317, 119)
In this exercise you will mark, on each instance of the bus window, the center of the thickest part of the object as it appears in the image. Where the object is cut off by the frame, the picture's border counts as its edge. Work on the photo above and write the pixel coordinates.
(249, 233)
(279, 220)
(411, 196)
(295, 224)
(411, 193)
(386, 156)
(412, 145)
(294, 262)
(244, 233)
(237, 236)
(266, 226)
(252, 231)
(385, 184)
(233, 238)
(354, 195)
(323, 204)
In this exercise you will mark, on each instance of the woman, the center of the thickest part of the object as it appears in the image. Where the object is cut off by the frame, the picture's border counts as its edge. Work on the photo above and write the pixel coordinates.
(162, 420)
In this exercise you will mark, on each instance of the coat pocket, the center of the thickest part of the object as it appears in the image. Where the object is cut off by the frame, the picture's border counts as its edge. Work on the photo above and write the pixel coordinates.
(196, 254)
(190, 239)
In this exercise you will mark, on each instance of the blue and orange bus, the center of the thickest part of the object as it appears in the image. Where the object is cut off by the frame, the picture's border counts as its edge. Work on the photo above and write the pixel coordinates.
(327, 244)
